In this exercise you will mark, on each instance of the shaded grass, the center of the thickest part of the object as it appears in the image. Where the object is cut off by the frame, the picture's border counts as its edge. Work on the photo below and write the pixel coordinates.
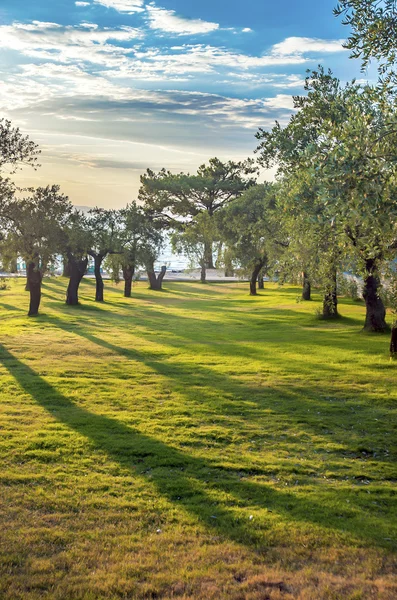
(197, 443)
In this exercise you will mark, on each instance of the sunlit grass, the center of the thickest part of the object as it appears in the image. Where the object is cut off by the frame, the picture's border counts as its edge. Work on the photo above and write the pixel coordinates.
(194, 443)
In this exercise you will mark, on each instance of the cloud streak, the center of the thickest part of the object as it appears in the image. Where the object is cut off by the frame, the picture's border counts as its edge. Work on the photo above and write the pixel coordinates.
(169, 22)
(123, 6)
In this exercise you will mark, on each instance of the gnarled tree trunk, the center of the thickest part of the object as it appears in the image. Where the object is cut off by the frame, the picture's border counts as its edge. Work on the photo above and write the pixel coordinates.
(254, 278)
(77, 270)
(375, 319)
(307, 288)
(128, 274)
(98, 258)
(156, 281)
(35, 277)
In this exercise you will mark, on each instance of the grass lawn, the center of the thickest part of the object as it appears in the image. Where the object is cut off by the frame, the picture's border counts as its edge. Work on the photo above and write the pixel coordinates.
(195, 443)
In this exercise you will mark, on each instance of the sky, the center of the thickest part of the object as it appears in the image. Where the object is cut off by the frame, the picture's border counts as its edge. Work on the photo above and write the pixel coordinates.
(108, 88)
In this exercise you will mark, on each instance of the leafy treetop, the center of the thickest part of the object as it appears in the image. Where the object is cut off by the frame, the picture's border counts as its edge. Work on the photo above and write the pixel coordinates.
(184, 196)
(374, 32)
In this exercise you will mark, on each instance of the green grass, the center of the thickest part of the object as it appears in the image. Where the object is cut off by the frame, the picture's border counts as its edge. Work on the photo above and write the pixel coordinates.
(195, 443)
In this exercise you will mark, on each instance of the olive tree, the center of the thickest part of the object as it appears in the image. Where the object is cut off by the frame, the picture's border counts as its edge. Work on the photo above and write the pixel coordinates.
(373, 34)
(339, 138)
(104, 229)
(36, 234)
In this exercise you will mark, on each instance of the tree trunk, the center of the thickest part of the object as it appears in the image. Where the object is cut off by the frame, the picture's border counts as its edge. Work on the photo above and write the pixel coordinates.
(330, 302)
(261, 281)
(77, 269)
(307, 288)
(67, 269)
(209, 259)
(254, 277)
(98, 258)
(14, 266)
(35, 278)
(161, 276)
(156, 282)
(330, 305)
(128, 274)
(27, 287)
(393, 341)
(375, 309)
(203, 275)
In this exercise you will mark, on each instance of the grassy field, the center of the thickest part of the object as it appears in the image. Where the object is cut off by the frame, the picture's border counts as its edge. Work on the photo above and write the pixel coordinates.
(195, 443)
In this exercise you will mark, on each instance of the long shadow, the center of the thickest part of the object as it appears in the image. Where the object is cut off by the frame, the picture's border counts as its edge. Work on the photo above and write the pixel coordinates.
(228, 392)
(228, 397)
(176, 330)
(10, 307)
(191, 482)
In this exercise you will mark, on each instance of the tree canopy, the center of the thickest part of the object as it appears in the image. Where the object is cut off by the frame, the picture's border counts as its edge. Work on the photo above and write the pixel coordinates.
(374, 32)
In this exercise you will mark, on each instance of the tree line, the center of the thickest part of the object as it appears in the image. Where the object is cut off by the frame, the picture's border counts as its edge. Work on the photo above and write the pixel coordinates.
(332, 208)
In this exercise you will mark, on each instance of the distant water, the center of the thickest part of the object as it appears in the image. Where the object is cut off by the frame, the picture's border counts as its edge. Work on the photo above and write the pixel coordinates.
(174, 262)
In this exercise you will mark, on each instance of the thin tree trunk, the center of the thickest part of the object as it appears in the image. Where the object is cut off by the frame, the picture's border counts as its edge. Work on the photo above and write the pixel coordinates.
(330, 302)
(98, 258)
(393, 341)
(78, 269)
(375, 319)
(203, 275)
(261, 281)
(254, 278)
(128, 274)
(14, 266)
(208, 253)
(35, 277)
(307, 288)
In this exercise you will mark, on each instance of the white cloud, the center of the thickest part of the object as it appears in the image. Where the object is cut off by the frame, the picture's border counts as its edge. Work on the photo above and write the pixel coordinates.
(300, 45)
(169, 22)
(84, 43)
(281, 101)
(123, 6)
(247, 30)
(82, 3)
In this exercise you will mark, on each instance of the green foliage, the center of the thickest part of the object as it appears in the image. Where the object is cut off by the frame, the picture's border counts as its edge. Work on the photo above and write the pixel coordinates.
(15, 148)
(182, 196)
(251, 228)
(348, 287)
(103, 226)
(373, 34)
(77, 237)
(340, 144)
(194, 239)
(37, 225)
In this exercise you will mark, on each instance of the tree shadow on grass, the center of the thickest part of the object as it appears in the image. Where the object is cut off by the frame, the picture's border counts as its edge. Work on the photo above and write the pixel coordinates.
(229, 396)
(193, 483)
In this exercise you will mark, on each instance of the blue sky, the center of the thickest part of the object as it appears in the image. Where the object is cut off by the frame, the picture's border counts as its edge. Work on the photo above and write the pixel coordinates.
(110, 87)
